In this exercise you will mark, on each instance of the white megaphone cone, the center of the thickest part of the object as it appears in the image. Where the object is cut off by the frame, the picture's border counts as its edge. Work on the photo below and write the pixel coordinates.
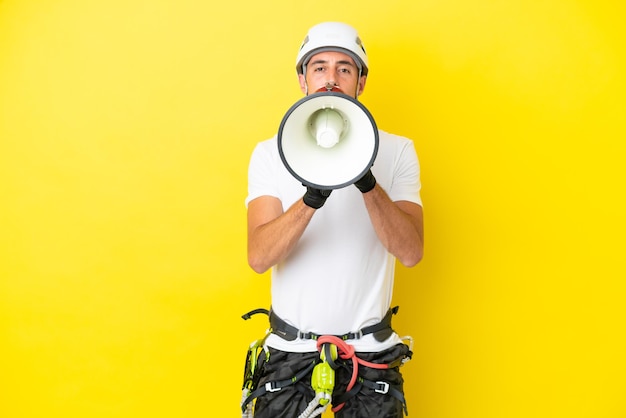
(328, 140)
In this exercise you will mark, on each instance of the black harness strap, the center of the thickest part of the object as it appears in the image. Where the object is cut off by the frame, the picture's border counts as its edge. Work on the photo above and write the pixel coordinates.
(381, 330)
(247, 316)
(387, 389)
(381, 387)
(277, 385)
(343, 398)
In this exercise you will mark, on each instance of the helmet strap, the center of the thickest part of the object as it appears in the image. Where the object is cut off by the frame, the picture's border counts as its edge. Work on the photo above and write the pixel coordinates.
(358, 81)
(306, 84)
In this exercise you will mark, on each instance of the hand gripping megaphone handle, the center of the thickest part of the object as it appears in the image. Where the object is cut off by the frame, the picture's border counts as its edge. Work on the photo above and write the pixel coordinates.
(315, 198)
(366, 183)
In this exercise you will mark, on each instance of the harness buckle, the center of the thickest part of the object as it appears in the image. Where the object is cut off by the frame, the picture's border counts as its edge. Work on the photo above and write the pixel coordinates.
(269, 387)
(307, 335)
(383, 387)
(352, 335)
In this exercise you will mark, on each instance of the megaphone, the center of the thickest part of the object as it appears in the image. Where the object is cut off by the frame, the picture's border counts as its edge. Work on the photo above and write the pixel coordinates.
(328, 140)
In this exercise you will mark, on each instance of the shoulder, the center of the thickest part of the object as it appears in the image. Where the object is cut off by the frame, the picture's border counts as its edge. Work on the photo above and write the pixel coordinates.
(266, 149)
(391, 144)
(266, 145)
(392, 138)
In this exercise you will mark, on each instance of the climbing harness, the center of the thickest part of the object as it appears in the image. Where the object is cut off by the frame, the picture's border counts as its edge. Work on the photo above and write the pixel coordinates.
(335, 352)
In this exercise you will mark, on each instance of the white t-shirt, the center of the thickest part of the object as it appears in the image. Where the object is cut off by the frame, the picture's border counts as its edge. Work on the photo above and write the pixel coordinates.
(339, 277)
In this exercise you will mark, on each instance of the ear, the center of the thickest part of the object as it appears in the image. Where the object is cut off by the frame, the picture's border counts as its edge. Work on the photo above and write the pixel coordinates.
(302, 81)
(362, 81)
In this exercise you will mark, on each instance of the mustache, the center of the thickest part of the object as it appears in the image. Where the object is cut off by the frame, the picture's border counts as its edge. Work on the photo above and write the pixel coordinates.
(329, 87)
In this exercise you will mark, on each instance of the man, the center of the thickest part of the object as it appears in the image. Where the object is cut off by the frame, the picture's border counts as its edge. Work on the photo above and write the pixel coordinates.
(332, 255)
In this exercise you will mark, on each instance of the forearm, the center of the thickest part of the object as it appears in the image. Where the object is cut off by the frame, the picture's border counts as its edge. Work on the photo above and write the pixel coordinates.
(399, 225)
(272, 241)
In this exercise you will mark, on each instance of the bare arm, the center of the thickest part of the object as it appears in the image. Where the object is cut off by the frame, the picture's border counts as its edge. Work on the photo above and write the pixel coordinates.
(399, 225)
(272, 233)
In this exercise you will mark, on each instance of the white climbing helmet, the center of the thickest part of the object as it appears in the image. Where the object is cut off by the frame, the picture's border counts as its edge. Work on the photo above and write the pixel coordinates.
(332, 36)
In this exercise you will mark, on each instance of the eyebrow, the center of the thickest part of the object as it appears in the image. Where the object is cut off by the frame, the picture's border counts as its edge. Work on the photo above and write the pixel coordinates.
(321, 61)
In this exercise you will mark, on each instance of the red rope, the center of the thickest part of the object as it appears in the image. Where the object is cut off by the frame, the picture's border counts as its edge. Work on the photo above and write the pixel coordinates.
(346, 351)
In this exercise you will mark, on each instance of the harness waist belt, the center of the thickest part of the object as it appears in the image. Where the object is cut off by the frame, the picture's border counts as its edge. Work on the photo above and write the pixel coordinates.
(381, 330)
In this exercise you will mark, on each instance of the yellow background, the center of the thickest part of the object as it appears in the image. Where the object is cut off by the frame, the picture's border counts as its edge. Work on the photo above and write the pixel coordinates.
(125, 132)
